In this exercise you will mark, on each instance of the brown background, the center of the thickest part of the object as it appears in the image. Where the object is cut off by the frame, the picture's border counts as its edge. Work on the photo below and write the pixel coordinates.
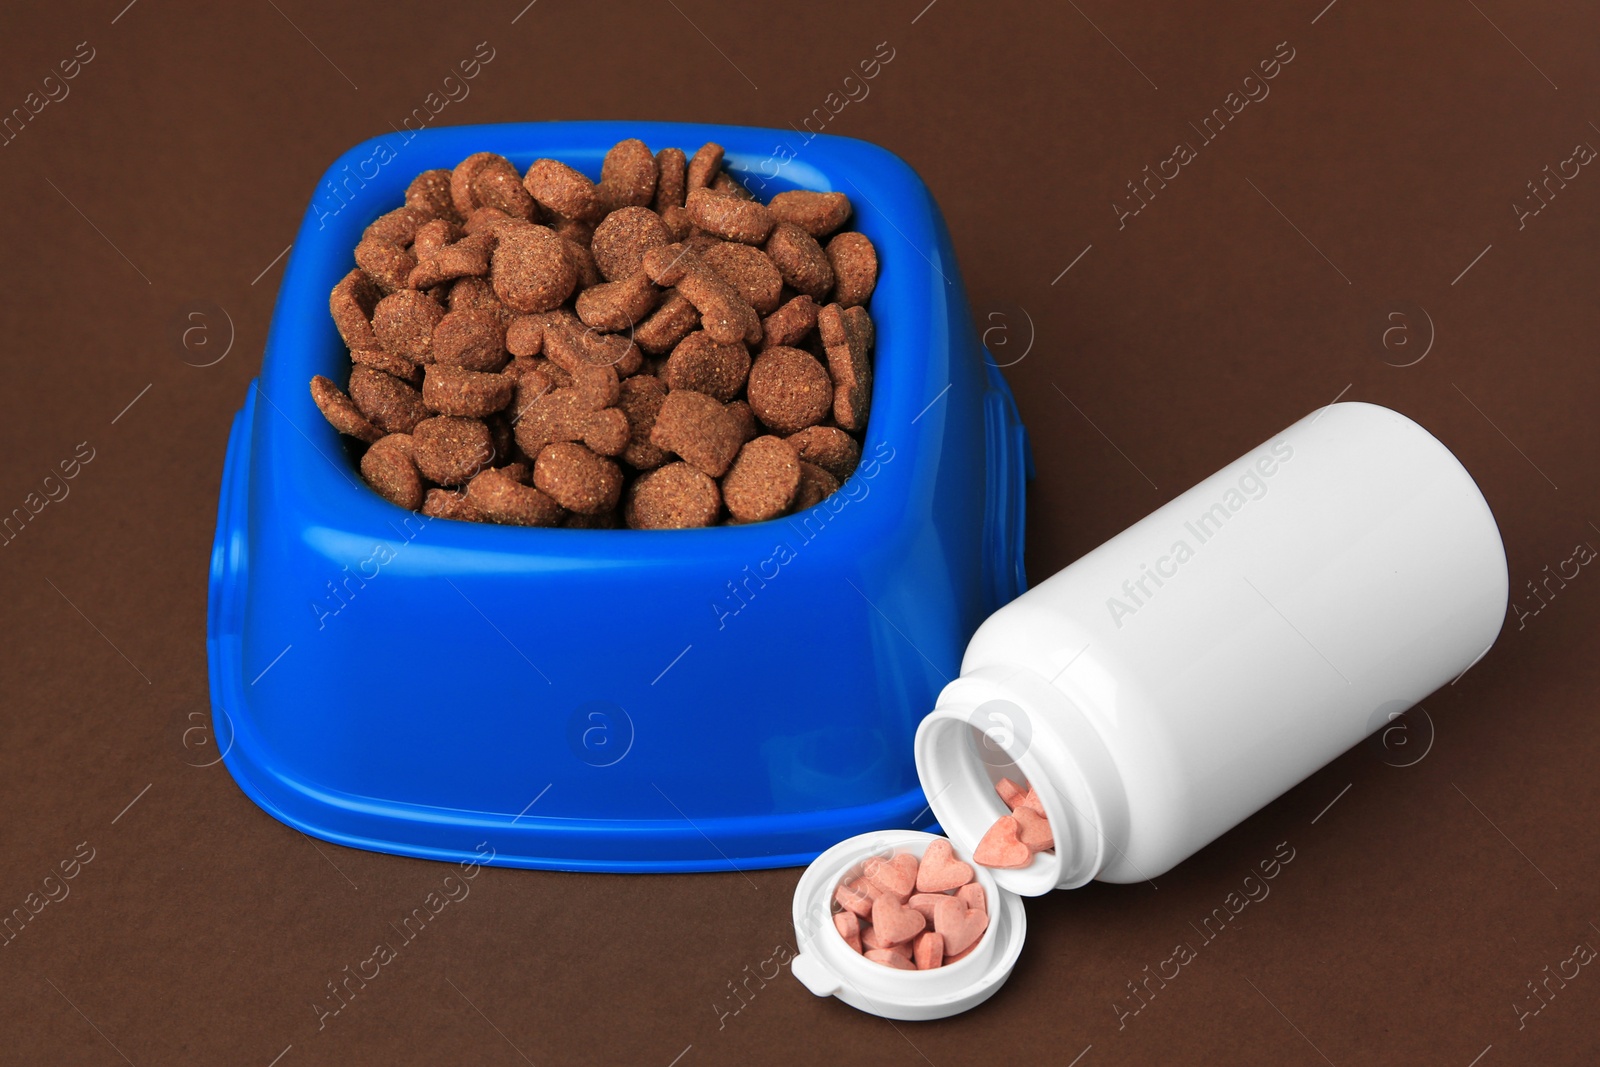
(1418, 905)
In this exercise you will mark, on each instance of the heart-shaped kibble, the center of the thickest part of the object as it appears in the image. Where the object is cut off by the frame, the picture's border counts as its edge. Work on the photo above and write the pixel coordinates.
(1010, 792)
(893, 923)
(890, 959)
(849, 928)
(940, 871)
(928, 952)
(1002, 846)
(972, 896)
(1033, 830)
(959, 925)
(854, 898)
(897, 875)
(925, 903)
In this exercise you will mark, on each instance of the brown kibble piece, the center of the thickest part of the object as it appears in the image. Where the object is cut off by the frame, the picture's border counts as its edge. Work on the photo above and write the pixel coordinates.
(816, 485)
(750, 272)
(855, 268)
(671, 178)
(577, 479)
(351, 303)
(388, 468)
(445, 504)
(628, 175)
(531, 269)
(386, 263)
(622, 239)
(699, 363)
(498, 185)
(388, 403)
(790, 324)
(403, 323)
(398, 227)
(462, 178)
(699, 429)
(457, 391)
(500, 498)
(449, 450)
(728, 185)
(617, 305)
(485, 220)
(563, 190)
(730, 217)
(389, 363)
(789, 390)
(582, 261)
(847, 335)
(606, 432)
(434, 235)
(800, 260)
(674, 497)
(472, 340)
(640, 399)
(429, 193)
(466, 258)
(749, 428)
(341, 412)
(829, 448)
(580, 350)
(677, 221)
(705, 166)
(524, 336)
(475, 294)
(763, 480)
(673, 320)
(819, 214)
(724, 314)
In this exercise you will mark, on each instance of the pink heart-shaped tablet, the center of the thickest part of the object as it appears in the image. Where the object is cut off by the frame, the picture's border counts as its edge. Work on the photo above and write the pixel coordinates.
(893, 923)
(959, 956)
(853, 898)
(925, 903)
(972, 896)
(959, 925)
(940, 870)
(849, 928)
(897, 875)
(1030, 799)
(890, 959)
(870, 938)
(1010, 792)
(1033, 830)
(1002, 846)
(928, 952)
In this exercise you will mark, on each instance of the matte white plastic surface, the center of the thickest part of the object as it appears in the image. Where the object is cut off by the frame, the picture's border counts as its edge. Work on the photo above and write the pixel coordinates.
(1182, 675)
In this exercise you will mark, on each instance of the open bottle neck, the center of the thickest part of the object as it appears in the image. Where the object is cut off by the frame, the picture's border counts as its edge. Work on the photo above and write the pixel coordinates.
(1009, 722)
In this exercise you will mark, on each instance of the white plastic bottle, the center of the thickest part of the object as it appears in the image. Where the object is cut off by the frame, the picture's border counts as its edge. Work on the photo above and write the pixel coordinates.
(1176, 679)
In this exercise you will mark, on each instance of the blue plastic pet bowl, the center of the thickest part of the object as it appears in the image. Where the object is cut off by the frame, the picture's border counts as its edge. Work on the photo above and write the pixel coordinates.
(610, 700)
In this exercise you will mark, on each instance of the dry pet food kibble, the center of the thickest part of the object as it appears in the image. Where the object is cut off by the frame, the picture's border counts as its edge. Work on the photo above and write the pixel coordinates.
(656, 350)
(910, 913)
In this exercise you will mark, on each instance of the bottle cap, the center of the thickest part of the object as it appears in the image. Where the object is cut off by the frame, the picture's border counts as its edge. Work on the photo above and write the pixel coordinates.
(828, 966)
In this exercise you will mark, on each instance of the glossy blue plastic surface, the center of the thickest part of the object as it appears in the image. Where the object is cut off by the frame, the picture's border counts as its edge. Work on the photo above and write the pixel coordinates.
(616, 700)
